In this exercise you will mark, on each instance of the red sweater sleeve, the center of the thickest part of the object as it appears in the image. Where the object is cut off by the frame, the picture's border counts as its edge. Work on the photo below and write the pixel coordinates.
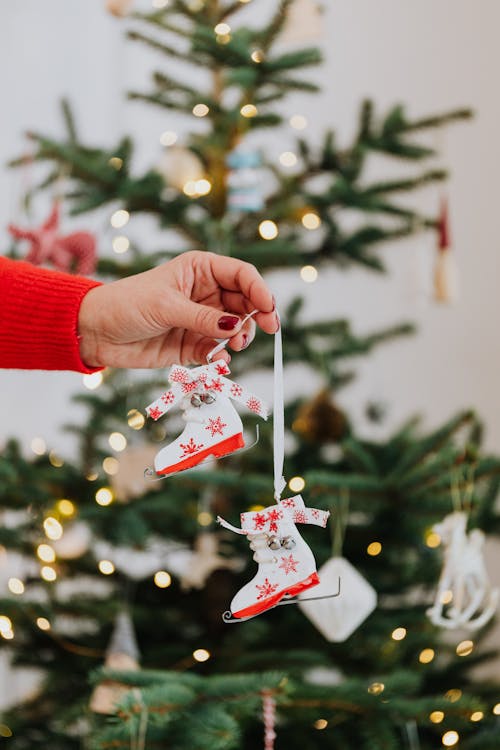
(39, 317)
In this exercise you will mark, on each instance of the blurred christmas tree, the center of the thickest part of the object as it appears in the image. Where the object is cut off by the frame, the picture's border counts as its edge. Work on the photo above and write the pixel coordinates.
(134, 575)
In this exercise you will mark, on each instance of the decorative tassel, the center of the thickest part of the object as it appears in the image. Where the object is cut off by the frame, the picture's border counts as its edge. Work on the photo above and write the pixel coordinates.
(445, 270)
(269, 717)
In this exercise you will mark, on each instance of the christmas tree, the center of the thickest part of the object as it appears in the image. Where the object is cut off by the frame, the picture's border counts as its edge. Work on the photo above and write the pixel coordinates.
(125, 580)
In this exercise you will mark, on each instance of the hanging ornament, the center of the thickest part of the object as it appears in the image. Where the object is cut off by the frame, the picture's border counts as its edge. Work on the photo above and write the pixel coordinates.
(139, 563)
(446, 285)
(64, 252)
(269, 719)
(180, 168)
(244, 181)
(122, 654)
(304, 22)
(204, 560)
(74, 542)
(119, 8)
(320, 420)
(129, 481)
(465, 597)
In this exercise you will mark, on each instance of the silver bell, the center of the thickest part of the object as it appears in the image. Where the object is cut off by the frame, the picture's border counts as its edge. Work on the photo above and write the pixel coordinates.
(208, 398)
(288, 542)
(196, 400)
(273, 542)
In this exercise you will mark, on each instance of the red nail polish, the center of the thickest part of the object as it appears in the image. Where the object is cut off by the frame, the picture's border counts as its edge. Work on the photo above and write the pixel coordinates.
(227, 322)
(245, 341)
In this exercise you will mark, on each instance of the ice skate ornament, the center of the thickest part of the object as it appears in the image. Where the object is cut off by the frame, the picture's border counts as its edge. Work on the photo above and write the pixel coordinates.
(464, 582)
(213, 426)
(286, 563)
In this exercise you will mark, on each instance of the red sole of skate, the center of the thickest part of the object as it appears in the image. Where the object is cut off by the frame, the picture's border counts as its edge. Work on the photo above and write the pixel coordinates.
(272, 601)
(229, 445)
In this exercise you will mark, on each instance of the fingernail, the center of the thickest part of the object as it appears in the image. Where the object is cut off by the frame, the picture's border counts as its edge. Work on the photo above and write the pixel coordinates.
(278, 323)
(227, 322)
(274, 304)
(245, 341)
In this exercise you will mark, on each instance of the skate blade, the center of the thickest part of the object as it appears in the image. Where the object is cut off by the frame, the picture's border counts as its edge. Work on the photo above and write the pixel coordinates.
(229, 618)
(152, 476)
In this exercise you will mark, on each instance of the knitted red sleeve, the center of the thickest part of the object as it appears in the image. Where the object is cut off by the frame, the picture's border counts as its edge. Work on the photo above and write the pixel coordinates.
(39, 317)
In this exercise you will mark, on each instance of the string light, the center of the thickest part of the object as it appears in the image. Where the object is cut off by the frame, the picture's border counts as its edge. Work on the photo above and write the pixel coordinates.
(309, 274)
(477, 716)
(268, 230)
(376, 688)
(48, 573)
(43, 623)
(120, 244)
(92, 381)
(465, 648)
(92, 476)
(8, 635)
(116, 163)
(496, 709)
(298, 122)
(320, 724)
(38, 446)
(16, 586)
(205, 518)
(55, 460)
(200, 110)
(222, 28)
(450, 738)
(432, 539)
(453, 695)
(446, 597)
(288, 159)
(162, 579)
(201, 654)
(257, 56)
(53, 529)
(374, 549)
(398, 634)
(189, 188)
(135, 419)
(436, 717)
(426, 655)
(168, 138)
(5, 624)
(249, 110)
(5, 731)
(46, 553)
(111, 465)
(104, 496)
(311, 220)
(117, 441)
(119, 218)
(203, 186)
(297, 484)
(106, 567)
(66, 507)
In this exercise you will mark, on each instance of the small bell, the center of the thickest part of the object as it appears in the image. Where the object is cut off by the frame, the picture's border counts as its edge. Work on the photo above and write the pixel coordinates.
(288, 542)
(208, 398)
(196, 400)
(273, 542)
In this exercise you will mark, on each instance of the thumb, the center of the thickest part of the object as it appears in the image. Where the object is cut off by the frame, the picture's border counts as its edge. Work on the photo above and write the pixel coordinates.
(202, 319)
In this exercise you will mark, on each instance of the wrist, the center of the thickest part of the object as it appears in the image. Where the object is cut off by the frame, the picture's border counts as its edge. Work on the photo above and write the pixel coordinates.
(88, 330)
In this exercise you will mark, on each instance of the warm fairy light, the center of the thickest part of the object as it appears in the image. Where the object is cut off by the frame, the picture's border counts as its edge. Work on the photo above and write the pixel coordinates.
(92, 381)
(426, 655)
(297, 484)
(464, 648)
(453, 695)
(38, 446)
(43, 623)
(111, 465)
(200, 110)
(298, 122)
(450, 738)
(254, 508)
(203, 186)
(309, 274)
(205, 518)
(222, 29)
(268, 230)
(120, 244)
(436, 717)
(48, 573)
(135, 419)
(496, 709)
(257, 56)
(106, 567)
(288, 159)
(92, 476)
(245, 1)
(398, 634)
(46, 553)
(117, 441)
(311, 220)
(189, 188)
(432, 539)
(5, 624)
(5, 731)
(374, 549)
(16, 586)
(446, 597)
(477, 716)
(162, 579)
(55, 460)
(116, 163)
(159, 4)
(249, 110)
(8, 635)
(376, 688)
(53, 529)
(66, 507)
(168, 138)
(320, 724)
(201, 654)
(104, 496)
(119, 218)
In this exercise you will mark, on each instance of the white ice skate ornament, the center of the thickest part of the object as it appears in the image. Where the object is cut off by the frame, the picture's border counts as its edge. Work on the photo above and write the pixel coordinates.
(213, 426)
(464, 582)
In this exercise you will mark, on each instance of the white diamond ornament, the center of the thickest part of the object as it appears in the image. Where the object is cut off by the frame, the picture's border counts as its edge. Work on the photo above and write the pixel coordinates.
(338, 617)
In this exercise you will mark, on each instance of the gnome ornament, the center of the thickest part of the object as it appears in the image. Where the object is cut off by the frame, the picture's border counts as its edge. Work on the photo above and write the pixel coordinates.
(446, 286)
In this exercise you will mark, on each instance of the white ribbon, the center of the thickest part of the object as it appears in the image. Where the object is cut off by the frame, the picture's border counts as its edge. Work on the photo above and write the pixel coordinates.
(278, 417)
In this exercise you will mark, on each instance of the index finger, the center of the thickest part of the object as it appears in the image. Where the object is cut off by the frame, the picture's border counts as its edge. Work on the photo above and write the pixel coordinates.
(236, 275)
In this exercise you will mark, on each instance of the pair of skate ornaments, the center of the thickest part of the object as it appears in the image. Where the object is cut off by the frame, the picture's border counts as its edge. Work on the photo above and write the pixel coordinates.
(286, 565)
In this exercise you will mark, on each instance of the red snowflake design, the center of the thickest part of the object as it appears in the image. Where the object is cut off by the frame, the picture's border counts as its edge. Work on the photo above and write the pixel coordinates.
(215, 385)
(259, 520)
(154, 412)
(289, 565)
(315, 513)
(179, 376)
(222, 369)
(300, 516)
(288, 502)
(167, 397)
(202, 377)
(236, 390)
(273, 517)
(266, 589)
(188, 386)
(254, 404)
(190, 448)
(216, 426)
